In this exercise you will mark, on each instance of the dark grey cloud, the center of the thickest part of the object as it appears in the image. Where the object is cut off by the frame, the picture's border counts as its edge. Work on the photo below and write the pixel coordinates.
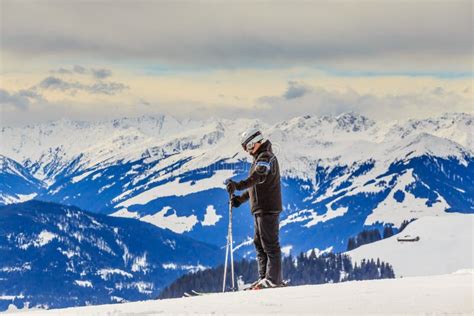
(54, 83)
(20, 100)
(108, 88)
(438, 91)
(295, 90)
(98, 73)
(380, 34)
(79, 69)
(62, 71)
(101, 73)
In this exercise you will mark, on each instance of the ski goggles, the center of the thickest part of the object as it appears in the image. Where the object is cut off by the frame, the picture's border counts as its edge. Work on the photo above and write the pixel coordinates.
(248, 145)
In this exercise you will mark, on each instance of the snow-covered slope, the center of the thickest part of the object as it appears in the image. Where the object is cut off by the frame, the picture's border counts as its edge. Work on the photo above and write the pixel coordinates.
(16, 182)
(343, 139)
(56, 256)
(444, 294)
(340, 174)
(446, 245)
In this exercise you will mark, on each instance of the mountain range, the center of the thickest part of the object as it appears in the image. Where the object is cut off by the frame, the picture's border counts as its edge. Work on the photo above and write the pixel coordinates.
(54, 256)
(340, 174)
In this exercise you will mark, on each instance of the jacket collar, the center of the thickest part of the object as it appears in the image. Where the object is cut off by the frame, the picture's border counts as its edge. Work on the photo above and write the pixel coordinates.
(266, 146)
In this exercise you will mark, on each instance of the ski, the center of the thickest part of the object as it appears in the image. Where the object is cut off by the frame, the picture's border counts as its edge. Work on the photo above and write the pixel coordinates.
(255, 287)
(200, 293)
(194, 293)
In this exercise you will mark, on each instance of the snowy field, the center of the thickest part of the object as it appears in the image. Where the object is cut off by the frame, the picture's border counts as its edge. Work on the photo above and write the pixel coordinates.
(443, 294)
(446, 245)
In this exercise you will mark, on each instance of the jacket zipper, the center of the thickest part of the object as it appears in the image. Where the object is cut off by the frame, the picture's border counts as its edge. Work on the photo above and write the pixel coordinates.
(255, 190)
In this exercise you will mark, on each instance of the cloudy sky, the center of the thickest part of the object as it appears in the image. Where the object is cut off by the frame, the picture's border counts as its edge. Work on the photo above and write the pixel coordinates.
(268, 59)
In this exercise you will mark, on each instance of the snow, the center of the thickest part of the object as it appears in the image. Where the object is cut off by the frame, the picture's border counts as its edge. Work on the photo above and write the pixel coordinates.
(11, 297)
(330, 214)
(24, 267)
(318, 252)
(177, 188)
(298, 216)
(443, 294)
(211, 217)
(169, 266)
(188, 268)
(83, 283)
(125, 213)
(105, 273)
(313, 217)
(140, 264)
(391, 211)
(445, 246)
(170, 243)
(173, 222)
(26, 197)
(246, 242)
(81, 176)
(69, 253)
(17, 198)
(193, 268)
(142, 287)
(301, 144)
(286, 250)
(118, 299)
(43, 238)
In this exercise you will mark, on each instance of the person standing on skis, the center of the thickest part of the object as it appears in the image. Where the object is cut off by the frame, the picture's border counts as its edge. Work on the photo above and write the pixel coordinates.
(263, 189)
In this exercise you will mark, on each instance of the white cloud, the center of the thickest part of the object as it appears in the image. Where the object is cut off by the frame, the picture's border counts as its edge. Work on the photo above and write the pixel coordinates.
(321, 101)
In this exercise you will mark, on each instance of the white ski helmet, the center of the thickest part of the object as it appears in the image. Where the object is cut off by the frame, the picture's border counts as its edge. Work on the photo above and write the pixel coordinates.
(250, 137)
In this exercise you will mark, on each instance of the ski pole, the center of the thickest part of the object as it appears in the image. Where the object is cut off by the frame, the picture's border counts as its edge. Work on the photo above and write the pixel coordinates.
(229, 248)
(226, 257)
(231, 244)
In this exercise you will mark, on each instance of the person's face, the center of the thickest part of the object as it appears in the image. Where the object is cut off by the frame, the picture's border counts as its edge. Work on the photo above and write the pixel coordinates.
(254, 149)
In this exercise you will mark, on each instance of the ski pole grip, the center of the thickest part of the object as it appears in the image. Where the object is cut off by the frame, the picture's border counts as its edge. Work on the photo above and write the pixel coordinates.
(226, 182)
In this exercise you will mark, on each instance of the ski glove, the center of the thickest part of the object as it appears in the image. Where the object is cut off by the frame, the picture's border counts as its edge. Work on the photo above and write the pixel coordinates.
(231, 186)
(236, 201)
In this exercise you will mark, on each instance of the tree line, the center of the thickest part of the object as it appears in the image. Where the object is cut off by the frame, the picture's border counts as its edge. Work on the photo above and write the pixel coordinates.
(368, 236)
(300, 270)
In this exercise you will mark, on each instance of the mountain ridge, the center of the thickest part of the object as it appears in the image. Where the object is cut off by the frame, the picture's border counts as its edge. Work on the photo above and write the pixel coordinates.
(53, 255)
(335, 170)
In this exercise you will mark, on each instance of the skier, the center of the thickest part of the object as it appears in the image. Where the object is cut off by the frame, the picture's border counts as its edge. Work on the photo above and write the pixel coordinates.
(262, 188)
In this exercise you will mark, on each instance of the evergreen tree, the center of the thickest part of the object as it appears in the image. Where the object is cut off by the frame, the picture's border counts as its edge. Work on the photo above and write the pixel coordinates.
(405, 224)
(304, 269)
(387, 231)
(364, 237)
(351, 244)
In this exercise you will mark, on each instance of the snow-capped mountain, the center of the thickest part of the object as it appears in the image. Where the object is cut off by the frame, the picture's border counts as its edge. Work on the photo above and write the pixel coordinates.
(17, 184)
(340, 174)
(54, 256)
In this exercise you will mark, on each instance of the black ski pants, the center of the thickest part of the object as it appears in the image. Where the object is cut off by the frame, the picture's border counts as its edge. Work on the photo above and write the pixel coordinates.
(267, 244)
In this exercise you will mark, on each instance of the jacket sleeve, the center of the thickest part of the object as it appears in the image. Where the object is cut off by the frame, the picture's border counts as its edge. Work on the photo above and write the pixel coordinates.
(244, 197)
(258, 175)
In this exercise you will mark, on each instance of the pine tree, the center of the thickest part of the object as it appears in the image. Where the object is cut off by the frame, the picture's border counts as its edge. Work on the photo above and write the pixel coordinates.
(310, 269)
(351, 244)
(387, 231)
